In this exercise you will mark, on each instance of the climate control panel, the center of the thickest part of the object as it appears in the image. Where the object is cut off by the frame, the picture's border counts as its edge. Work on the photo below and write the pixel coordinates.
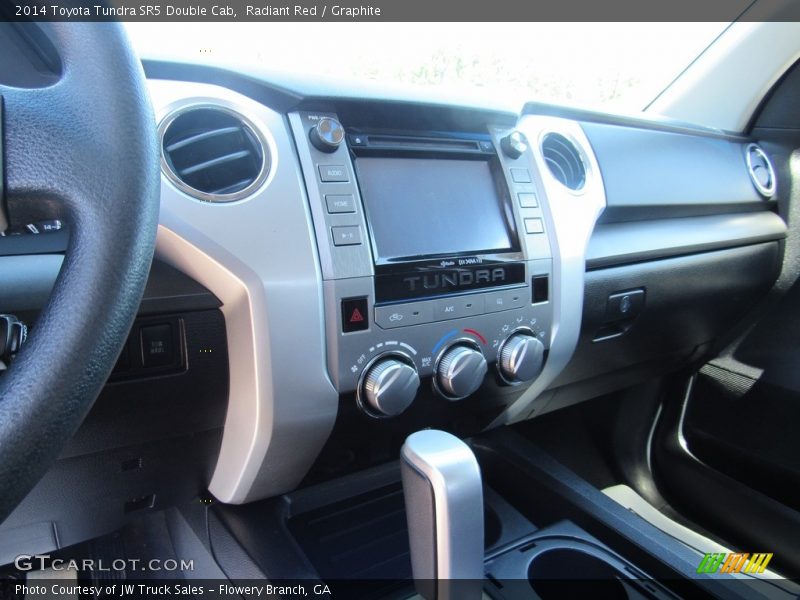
(387, 361)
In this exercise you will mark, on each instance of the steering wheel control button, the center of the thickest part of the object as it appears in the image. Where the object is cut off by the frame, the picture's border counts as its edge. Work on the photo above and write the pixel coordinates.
(354, 315)
(13, 334)
(157, 346)
(460, 371)
(534, 226)
(528, 200)
(327, 135)
(403, 315)
(333, 174)
(623, 306)
(340, 203)
(390, 386)
(514, 145)
(348, 235)
(521, 358)
(521, 176)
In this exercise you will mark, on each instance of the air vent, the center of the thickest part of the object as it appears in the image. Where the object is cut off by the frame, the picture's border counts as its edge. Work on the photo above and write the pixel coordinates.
(213, 153)
(760, 169)
(564, 161)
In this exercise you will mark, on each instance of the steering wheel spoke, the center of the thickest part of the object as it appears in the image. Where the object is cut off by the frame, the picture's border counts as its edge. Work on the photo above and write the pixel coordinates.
(83, 149)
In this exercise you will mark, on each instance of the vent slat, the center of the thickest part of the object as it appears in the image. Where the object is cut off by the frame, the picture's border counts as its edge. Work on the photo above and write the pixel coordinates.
(201, 137)
(213, 154)
(215, 162)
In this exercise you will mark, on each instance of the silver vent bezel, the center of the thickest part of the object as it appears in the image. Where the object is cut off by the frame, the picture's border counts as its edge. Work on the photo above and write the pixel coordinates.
(766, 191)
(175, 179)
(581, 154)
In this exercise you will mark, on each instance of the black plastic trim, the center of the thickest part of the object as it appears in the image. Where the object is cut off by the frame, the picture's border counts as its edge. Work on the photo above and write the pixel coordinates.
(614, 244)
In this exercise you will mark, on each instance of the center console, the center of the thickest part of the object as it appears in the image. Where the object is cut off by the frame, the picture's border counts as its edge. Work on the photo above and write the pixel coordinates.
(436, 260)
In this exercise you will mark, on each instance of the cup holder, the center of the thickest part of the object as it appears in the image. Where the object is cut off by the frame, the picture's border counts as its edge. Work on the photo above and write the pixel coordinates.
(564, 562)
(568, 573)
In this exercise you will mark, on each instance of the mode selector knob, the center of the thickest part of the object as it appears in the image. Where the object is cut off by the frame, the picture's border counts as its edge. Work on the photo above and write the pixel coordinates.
(389, 387)
(460, 372)
(521, 358)
(327, 135)
(514, 144)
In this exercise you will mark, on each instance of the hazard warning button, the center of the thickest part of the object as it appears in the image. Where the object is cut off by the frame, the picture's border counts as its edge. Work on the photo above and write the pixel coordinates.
(354, 314)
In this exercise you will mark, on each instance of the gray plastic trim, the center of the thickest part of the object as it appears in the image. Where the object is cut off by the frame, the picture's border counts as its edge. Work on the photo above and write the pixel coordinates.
(570, 218)
(27, 281)
(620, 243)
(259, 258)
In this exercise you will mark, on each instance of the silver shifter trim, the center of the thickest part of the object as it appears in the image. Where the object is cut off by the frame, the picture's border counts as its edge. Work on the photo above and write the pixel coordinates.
(444, 503)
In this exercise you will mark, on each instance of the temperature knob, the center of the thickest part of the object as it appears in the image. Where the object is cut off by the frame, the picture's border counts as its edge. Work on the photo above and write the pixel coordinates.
(461, 371)
(389, 386)
(521, 358)
(327, 135)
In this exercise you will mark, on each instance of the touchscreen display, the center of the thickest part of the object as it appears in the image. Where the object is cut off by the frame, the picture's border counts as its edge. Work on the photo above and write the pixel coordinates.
(426, 207)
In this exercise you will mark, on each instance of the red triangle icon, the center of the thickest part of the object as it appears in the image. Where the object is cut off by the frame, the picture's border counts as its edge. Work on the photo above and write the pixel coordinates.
(356, 316)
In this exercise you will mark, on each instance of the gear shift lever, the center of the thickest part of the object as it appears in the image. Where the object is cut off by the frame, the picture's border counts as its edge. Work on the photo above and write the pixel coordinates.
(444, 505)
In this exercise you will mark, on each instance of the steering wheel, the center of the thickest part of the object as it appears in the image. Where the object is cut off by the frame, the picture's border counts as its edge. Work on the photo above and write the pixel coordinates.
(82, 148)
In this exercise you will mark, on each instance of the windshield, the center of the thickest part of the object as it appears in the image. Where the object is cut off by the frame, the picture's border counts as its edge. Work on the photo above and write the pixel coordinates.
(617, 67)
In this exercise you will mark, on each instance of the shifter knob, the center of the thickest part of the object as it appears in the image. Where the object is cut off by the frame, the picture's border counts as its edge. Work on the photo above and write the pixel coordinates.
(444, 507)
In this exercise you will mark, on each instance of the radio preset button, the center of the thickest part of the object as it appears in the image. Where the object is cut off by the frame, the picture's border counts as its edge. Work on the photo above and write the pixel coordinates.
(528, 200)
(506, 300)
(340, 203)
(333, 174)
(403, 315)
(534, 226)
(520, 175)
(347, 235)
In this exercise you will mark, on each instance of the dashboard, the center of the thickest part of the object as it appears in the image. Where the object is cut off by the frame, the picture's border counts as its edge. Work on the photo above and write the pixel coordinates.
(403, 264)
(370, 266)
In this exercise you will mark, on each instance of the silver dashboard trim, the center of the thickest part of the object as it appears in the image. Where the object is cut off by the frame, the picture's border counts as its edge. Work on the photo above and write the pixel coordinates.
(281, 405)
(570, 218)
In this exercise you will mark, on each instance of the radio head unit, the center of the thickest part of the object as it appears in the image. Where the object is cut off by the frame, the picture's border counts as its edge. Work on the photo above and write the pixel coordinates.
(434, 254)
(439, 216)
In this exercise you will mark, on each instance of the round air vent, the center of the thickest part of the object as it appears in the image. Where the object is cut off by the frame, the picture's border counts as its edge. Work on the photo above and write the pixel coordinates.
(213, 153)
(760, 170)
(564, 161)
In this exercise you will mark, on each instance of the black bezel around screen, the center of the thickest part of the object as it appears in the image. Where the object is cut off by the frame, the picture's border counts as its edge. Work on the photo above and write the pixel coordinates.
(501, 198)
